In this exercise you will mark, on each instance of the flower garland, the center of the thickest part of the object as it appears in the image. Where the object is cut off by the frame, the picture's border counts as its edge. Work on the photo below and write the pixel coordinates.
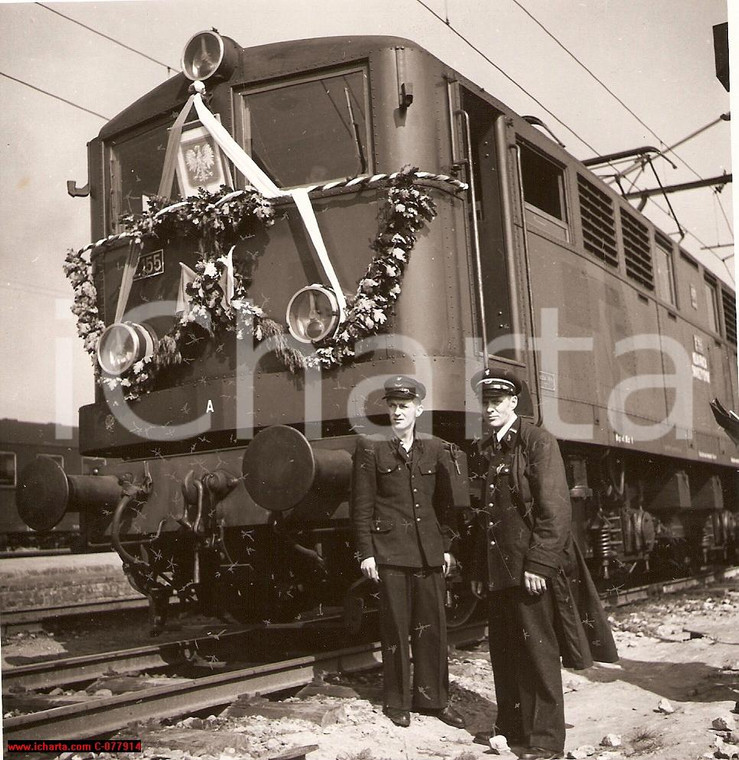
(217, 221)
(407, 210)
(89, 325)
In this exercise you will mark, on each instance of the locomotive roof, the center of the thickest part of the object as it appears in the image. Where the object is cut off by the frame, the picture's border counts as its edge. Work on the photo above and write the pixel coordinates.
(22, 432)
(272, 61)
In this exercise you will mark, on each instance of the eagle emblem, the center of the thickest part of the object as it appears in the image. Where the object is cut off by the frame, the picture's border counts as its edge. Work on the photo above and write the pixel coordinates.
(200, 161)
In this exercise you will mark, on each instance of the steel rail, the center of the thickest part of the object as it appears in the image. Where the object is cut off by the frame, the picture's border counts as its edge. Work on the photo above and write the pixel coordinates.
(618, 597)
(97, 717)
(39, 614)
(74, 670)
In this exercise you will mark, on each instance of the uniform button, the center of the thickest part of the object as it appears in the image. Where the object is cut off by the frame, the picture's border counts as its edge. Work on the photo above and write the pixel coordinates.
(418, 506)
(491, 504)
(492, 543)
(415, 490)
(418, 519)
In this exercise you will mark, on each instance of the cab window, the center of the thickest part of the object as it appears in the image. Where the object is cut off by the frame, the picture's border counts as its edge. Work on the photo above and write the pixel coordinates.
(311, 131)
(543, 183)
(711, 305)
(136, 164)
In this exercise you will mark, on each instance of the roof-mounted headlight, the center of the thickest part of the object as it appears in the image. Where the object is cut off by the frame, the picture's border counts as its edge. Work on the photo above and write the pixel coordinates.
(122, 345)
(312, 314)
(208, 55)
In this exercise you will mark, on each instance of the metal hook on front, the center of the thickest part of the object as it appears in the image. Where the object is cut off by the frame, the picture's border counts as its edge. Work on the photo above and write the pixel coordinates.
(131, 492)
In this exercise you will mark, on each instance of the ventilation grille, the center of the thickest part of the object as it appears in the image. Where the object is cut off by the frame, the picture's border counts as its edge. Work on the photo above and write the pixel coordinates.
(598, 223)
(637, 253)
(729, 315)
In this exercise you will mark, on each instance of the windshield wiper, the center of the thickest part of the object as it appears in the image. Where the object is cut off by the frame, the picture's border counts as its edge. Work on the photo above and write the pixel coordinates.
(357, 134)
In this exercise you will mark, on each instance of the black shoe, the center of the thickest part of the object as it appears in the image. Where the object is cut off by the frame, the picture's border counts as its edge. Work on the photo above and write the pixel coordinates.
(400, 717)
(446, 715)
(540, 753)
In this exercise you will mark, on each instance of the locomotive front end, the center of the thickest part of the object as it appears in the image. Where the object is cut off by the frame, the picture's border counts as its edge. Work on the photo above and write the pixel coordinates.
(251, 245)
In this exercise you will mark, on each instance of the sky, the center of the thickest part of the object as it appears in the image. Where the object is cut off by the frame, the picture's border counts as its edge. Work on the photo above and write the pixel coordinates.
(654, 61)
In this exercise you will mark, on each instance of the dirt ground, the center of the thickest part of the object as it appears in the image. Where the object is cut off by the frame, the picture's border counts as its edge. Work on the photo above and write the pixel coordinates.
(678, 674)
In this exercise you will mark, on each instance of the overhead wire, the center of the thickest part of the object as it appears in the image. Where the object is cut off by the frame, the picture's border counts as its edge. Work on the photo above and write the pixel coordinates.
(108, 37)
(691, 234)
(671, 148)
(56, 97)
(583, 66)
(617, 98)
(667, 149)
(459, 34)
(34, 288)
(506, 75)
(716, 191)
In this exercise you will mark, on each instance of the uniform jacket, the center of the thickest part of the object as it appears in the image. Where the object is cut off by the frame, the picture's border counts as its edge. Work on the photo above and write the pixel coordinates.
(397, 512)
(535, 535)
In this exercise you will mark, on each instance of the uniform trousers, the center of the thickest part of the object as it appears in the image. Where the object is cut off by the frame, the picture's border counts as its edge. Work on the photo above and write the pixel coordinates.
(412, 603)
(526, 668)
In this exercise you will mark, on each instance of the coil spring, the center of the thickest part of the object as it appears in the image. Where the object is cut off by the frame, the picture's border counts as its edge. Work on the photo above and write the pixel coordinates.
(602, 545)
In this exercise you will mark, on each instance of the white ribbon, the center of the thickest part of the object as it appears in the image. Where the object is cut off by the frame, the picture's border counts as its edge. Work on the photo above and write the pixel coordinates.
(187, 276)
(129, 270)
(173, 144)
(225, 283)
(241, 160)
(258, 179)
(302, 201)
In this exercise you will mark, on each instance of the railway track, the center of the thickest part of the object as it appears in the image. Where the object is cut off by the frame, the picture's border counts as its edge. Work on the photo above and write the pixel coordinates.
(101, 716)
(40, 614)
(105, 715)
(619, 596)
(613, 597)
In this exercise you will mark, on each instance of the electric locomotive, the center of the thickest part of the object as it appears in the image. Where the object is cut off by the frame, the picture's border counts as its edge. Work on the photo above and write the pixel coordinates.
(281, 228)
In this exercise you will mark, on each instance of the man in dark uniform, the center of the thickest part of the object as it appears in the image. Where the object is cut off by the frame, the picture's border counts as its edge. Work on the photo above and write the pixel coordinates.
(400, 489)
(522, 547)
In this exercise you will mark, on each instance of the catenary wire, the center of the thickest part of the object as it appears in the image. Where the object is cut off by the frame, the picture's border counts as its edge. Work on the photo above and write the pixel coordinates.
(56, 97)
(691, 234)
(448, 24)
(583, 66)
(107, 37)
(506, 75)
(723, 211)
(616, 97)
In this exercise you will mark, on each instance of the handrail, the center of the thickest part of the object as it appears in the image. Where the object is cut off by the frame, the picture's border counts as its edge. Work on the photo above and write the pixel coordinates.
(475, 232)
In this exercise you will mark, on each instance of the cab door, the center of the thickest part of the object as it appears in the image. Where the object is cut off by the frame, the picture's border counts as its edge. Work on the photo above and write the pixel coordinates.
(479, 133)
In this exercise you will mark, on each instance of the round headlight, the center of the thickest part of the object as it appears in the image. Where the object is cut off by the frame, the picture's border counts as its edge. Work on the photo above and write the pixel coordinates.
(122, 345)
(312, 314)
(206, 54)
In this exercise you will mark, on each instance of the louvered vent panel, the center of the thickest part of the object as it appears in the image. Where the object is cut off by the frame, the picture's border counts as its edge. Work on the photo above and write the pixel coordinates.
(729, 315)
(637, 253)
(598, 222)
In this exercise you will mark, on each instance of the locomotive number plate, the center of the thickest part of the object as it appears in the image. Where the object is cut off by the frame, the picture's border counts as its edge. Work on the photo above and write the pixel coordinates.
(149, 265)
